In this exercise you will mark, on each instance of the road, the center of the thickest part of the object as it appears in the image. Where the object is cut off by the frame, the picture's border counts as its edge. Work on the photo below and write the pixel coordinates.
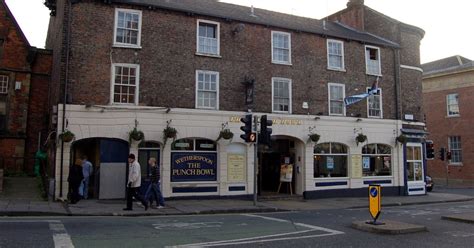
(328, 228)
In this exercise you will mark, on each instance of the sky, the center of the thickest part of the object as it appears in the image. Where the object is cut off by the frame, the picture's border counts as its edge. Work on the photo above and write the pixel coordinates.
(448, 25)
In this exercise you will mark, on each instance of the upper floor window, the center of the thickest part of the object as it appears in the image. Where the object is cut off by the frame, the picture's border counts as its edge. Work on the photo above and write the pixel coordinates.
(207, 89)
(125, 83)
(374, 104)
(455, 148)
(372, 60)
(376, 160)
(127, 27)
(208, 38)
(336, 99)
(281, 95)
(452, 101)
(335, 55)
(3, 84)
(281, 47)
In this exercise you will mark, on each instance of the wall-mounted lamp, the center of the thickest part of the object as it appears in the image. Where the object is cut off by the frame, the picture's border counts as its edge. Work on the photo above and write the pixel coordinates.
(238, 28)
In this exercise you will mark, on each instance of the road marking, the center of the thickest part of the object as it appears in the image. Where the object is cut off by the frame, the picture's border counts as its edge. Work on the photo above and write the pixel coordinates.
(60, 236)
(265, 238)
(184, 225)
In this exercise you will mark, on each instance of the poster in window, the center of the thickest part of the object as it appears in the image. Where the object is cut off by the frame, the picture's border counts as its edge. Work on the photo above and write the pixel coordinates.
(330, 163)
(366, 163)
(286, 173)
(235, 167)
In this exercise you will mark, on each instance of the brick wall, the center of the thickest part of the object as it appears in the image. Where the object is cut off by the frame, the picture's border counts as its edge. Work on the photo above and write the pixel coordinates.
(168, 63)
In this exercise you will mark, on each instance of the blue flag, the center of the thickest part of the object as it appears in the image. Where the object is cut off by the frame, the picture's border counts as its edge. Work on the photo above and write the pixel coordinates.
(357, 98)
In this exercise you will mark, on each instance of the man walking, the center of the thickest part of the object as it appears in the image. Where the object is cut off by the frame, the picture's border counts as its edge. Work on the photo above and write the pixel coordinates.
(134, 183)
(87, 169)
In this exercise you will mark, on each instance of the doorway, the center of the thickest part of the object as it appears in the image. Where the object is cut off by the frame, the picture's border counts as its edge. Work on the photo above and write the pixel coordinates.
(271, 159)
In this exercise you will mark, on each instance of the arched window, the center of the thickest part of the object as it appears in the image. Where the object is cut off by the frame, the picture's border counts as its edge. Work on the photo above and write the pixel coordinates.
(330, 160)
(147, 150)
(376, 160)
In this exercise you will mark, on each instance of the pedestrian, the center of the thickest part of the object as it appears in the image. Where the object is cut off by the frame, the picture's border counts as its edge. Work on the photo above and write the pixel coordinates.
(134, 182)
(75, 178)
(154, 186)
(87, 170)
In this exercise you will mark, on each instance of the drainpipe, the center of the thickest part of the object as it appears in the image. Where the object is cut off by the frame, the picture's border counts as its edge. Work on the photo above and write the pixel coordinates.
(396, 69)
(66, 79)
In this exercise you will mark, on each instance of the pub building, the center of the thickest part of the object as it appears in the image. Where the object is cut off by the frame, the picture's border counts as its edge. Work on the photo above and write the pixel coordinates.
(183, 74)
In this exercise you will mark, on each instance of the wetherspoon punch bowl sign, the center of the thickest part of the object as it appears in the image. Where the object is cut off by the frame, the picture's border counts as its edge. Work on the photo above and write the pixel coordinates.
(190, 167)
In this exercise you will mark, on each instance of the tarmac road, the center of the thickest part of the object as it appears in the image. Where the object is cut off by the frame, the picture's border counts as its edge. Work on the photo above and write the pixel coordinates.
(323, 228)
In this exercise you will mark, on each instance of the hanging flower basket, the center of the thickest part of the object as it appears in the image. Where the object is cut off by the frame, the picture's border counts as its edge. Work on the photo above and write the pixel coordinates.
(225, 134)
(67, 136)
(361, 138)
(402, 139)
(136, 135)
(314, 137)
(170, 132)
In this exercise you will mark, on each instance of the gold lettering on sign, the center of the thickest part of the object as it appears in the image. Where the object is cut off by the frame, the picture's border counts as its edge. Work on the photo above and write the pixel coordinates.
(286, 122)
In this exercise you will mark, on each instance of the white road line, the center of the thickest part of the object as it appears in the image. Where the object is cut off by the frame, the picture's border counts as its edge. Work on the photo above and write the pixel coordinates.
(258, 239)
(60, 236)
(29, 221)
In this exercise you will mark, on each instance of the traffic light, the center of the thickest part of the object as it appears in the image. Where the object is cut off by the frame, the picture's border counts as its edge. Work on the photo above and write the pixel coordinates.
(442, 152)
(265, 131)
(430, 152)
(248, 135)
(448, 155)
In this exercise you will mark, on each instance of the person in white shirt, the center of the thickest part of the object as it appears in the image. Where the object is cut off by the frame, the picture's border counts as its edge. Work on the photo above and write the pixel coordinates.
(134, 183)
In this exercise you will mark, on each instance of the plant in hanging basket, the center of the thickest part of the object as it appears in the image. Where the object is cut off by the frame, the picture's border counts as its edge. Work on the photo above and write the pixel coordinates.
(314, 137)
(361, 138)
(170, 132)
(67, 136)
(136, 135)
(225, 134)
(402, 139)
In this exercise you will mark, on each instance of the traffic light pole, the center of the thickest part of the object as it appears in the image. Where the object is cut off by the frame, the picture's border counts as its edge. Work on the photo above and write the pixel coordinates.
(255, 160)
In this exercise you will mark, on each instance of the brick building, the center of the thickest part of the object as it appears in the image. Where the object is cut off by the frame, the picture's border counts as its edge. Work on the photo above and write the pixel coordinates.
(448, 87)
(198, 66)
(24, 84)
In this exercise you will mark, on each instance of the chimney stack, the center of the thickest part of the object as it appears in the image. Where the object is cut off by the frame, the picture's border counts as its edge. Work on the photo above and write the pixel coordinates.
(354, 3)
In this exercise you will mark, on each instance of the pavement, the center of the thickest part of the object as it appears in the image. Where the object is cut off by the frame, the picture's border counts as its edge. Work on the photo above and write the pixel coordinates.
(20, 198)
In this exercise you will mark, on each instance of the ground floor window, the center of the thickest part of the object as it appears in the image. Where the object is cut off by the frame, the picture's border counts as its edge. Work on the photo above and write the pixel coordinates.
(376, 160)
(330, 160)
(193, 160)
(414, 162)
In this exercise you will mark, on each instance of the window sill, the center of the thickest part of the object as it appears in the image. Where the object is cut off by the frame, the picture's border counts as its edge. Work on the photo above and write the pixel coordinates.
(343, 115)
(204, 108)
(281, 63)
(209, 55)
(455, 164)
(126, 46)
(372, 74)
(336, 69)
(375, 117)
(281, 112)
(453, 116)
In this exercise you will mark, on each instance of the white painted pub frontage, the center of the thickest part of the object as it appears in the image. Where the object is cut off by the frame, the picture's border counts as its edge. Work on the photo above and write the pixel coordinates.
(194, 164)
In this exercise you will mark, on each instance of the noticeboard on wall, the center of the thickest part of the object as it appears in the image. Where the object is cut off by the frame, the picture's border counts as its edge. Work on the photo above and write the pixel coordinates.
(235, 167)
(356, 161)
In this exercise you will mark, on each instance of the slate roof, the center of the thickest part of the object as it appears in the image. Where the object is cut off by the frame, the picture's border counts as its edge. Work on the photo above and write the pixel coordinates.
(239, 13)
(450, 64)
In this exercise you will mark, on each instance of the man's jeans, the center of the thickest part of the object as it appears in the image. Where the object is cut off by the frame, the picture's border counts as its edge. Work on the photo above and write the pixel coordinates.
(155, 188)
(84, 188)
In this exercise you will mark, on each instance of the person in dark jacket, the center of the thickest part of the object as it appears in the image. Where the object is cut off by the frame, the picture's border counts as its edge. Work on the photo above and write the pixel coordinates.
(154, 186)
(75, 179)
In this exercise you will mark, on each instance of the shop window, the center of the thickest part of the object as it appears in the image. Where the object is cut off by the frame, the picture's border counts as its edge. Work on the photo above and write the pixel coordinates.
(414, 163)
(330, 160)
(376, 160)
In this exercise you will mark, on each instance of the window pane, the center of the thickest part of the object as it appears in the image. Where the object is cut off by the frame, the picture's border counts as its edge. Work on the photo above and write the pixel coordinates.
(330, 166)
(376, 165)
(338, 148)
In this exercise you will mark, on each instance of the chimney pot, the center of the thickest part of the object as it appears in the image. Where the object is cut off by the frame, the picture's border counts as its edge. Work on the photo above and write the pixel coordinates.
(355, 3)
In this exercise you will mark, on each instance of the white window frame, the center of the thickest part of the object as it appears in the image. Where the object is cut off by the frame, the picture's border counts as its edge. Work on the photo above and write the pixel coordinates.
(197, 90)
(128, 45)
(112, 82)
(420, 161)
(451, 150)
(379, 90)
(218, 37)
(289, 49)
(367, 61)
(4, 84)
(289, 94)
(342, 68)
(448, 105)
(343, 96)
